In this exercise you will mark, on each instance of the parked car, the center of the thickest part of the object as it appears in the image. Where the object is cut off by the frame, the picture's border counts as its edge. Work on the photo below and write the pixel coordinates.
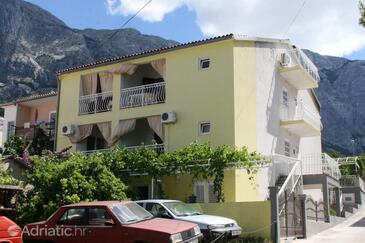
(10, 232)
(211, 226)
(111, 221)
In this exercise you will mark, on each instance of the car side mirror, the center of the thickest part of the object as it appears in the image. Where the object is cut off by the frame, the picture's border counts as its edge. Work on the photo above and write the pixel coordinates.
(109, 222)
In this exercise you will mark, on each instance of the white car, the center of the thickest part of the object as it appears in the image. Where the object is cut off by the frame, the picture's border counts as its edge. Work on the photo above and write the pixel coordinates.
(211, 226)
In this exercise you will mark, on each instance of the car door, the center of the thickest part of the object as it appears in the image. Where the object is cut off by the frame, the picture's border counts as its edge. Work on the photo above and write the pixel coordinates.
(158, 210)
(102, 227)
(71, 227)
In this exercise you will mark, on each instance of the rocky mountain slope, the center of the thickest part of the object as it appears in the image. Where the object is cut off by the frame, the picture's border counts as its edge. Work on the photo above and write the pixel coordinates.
(34, 44)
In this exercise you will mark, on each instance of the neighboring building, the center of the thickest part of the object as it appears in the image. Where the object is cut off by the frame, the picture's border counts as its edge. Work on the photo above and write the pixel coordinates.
(1, 131)
(232, 90)
(23, 115)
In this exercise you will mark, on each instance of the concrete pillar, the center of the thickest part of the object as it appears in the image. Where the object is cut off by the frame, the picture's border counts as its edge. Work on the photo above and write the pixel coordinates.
(326, 197)
(275, 223)
(338, 201)
(302, 198)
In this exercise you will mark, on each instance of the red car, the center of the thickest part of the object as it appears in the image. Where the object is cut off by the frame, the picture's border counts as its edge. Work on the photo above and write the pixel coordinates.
(109, 222)
(10, 232)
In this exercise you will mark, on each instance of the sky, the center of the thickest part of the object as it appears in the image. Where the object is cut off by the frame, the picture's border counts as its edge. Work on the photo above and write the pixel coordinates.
(329, 27)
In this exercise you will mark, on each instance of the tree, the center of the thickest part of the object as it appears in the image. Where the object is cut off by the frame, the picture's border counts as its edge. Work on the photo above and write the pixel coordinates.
(362, 13)
(58, 182)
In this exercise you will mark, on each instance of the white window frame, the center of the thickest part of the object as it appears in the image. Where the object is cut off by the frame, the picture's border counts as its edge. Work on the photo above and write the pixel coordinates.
(200, 61)
(200, 126)
(206, 184)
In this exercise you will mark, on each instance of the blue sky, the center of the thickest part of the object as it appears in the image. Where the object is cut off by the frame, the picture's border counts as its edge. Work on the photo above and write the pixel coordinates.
(185, 22)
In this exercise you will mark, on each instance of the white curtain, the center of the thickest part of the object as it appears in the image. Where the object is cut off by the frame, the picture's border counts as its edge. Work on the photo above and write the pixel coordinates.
(106, 81)
(159, 66)
(105, 130)
(125, 68)
(81, 133)
(89, 83)
(156, 125)
(124, 127)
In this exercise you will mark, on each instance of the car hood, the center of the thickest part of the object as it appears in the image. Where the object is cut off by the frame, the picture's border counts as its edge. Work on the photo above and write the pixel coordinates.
(168, 226)
(205, 220)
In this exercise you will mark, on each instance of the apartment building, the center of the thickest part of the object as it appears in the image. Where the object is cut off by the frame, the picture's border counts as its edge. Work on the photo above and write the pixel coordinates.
(23, 115)
(233, 90)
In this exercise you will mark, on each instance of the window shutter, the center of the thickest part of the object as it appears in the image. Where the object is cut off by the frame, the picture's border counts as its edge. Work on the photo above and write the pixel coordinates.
(199, 190)
(212, 196)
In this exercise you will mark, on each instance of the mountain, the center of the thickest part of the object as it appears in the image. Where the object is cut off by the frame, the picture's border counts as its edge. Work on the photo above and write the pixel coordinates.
(34, 44)
(342, 95)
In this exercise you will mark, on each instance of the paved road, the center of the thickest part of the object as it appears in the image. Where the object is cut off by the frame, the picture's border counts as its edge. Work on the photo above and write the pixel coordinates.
(350, 231)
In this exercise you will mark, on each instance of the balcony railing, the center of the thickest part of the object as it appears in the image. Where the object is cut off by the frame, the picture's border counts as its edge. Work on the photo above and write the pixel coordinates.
(283, 166)
(299, 111)
(95, 103)
(143, 95)
(320, 164)
(159, 148)
(299, 58)
(352, 181)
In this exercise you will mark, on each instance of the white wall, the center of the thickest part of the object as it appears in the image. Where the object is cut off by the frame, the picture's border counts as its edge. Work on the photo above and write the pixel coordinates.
(269, 90)
(1, 132)
(9, 115)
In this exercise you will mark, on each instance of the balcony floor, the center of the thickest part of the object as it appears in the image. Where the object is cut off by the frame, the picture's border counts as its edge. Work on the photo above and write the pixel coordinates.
(301, 128)
(298, 77)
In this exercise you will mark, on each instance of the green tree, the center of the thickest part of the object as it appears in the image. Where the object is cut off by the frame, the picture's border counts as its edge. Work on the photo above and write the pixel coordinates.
(5, 176)
(362, 13)
(58, 182)
(15, 145)
(40, 142)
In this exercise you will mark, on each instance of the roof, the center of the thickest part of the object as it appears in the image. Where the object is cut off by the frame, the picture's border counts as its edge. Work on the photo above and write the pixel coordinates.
(32, 97)
(98, 203)
(167, 49)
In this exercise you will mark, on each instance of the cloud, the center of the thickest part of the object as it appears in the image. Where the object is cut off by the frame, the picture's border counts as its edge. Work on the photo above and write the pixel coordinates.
(325, 26)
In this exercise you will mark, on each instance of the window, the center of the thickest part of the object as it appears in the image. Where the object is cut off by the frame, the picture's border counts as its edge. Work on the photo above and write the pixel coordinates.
(204, 63)
(287, 148)
(52, 124)
(98, 216)
(204, 128)
(11, 129)
(285, 97)
(74, 216)
(204, 192)
(156, 210)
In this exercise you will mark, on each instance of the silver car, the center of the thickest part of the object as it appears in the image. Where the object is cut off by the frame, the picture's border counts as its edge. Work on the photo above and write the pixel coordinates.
(211, 226)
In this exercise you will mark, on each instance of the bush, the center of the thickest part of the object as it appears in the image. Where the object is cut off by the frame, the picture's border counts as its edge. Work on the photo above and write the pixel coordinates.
(58, 182)
(251, 239)
(15, 146)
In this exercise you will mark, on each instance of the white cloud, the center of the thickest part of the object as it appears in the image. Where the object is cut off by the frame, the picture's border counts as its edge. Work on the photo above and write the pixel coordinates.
(325, 26)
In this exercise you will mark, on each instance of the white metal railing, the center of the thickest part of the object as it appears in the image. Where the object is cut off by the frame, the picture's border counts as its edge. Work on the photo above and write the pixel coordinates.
(282, 166)
(159, 148)
(143, 95)
(315, 164)
(298, 110)
(100, 102)
(298, 57)
(352, 181)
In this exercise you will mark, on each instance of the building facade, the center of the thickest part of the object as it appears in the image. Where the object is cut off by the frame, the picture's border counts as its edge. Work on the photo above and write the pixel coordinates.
(22, 116)
(231, 90)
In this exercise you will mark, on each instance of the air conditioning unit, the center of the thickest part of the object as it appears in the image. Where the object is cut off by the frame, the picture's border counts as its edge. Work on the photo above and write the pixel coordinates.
(168, 117)
(68, 129)
(285, 59)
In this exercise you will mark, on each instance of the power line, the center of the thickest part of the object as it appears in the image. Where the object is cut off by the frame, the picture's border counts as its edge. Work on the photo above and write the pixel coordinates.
(127, 21)
(295, 18)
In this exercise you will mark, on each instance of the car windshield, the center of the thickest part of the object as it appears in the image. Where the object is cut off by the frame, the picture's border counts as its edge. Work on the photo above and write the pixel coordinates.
(130, 212)
(181, 209)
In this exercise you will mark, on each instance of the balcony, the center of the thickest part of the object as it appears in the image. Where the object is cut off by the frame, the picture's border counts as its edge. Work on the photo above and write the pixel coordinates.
(317, 164)
(95, 103)
(142, 95)
(159, 148)
(298, 118)
(352, 181)
(299, 70)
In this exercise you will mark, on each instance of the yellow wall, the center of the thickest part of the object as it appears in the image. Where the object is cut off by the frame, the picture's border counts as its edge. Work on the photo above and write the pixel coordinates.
(245, 94)
(251, 216)
(195, 96)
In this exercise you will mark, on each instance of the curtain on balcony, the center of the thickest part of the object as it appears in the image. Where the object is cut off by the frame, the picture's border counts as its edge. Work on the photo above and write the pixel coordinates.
(105, 130)
(81, 133)
(124, 127)
(89, 83)
(159, 66)
(125, 68)
(156, 125)
(106, 81)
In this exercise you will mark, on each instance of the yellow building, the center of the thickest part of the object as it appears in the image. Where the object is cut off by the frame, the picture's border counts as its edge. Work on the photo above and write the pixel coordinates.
(204, 91)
